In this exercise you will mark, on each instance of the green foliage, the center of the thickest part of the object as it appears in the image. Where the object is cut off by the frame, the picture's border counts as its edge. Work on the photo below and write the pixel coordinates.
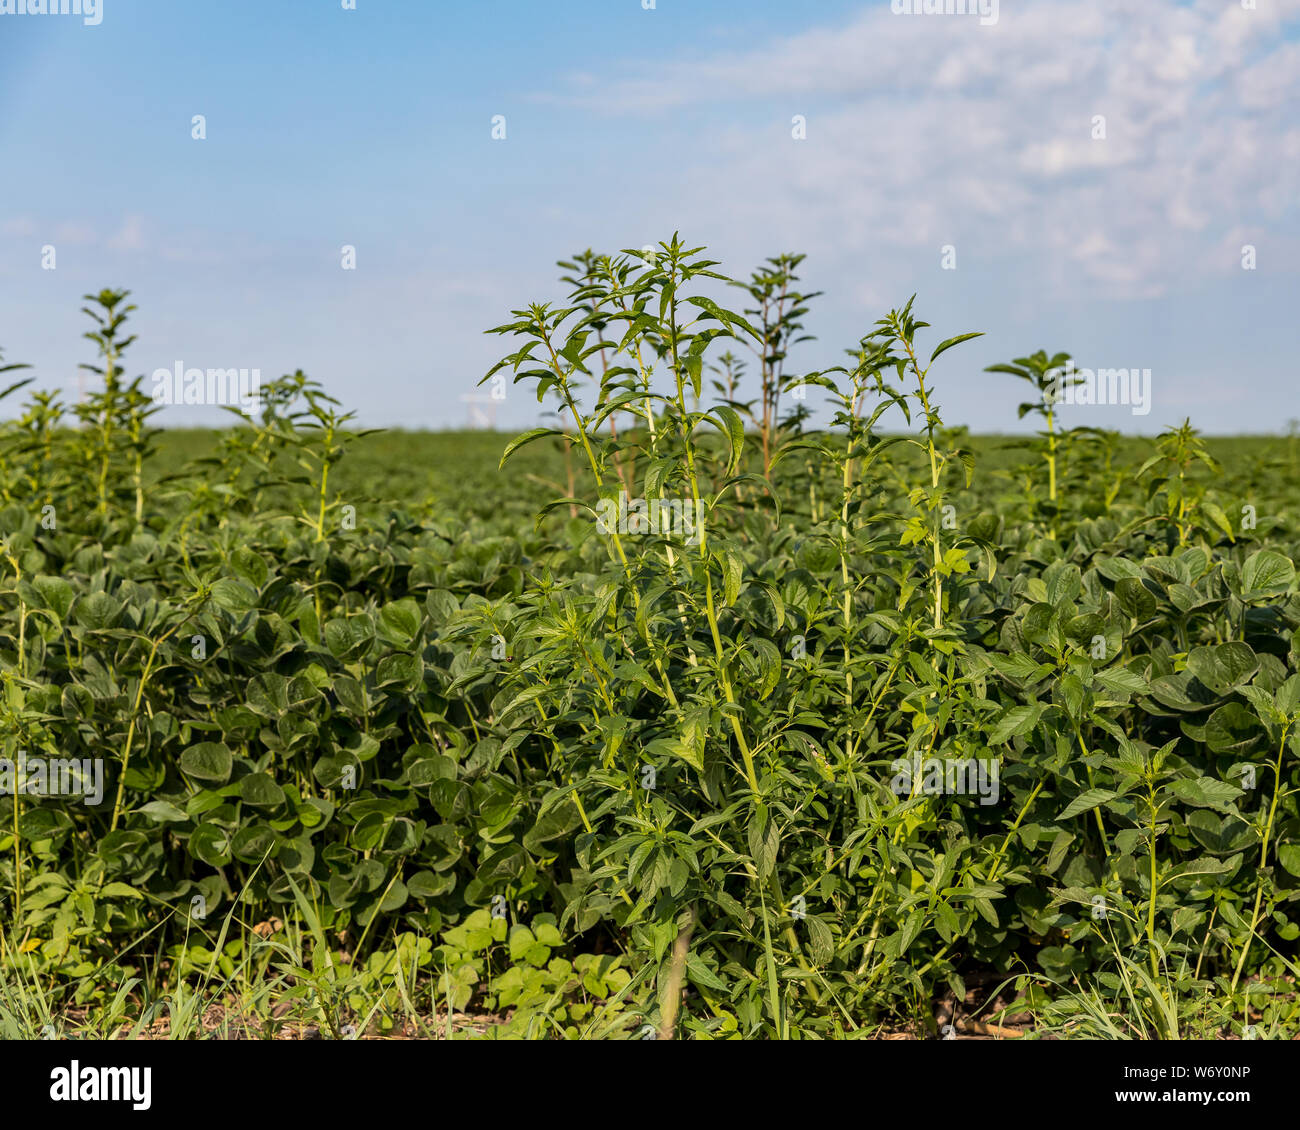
(509, 745)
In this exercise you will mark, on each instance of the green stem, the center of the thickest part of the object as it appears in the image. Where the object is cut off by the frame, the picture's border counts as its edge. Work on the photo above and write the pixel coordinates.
(1263, 860)
(710, 610)
(1151, 905)
(581, 423)
(135, 711)
(1051, 467)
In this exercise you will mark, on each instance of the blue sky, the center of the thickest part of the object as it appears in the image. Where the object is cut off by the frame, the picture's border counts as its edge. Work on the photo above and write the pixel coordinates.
(372, 128)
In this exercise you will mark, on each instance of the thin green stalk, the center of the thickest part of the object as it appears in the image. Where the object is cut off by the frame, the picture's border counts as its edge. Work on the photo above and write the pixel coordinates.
(618, 542)
(135, 713)
(1263, 859)
(936, 541)
(710, 610)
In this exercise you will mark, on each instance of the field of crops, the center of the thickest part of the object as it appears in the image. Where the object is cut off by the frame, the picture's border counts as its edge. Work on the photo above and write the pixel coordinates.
(686, 719)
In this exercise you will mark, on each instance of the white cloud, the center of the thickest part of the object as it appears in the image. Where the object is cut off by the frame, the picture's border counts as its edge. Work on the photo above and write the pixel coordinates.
(924, 130)
(76, 232)
(1269, 82)
(130, 236)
